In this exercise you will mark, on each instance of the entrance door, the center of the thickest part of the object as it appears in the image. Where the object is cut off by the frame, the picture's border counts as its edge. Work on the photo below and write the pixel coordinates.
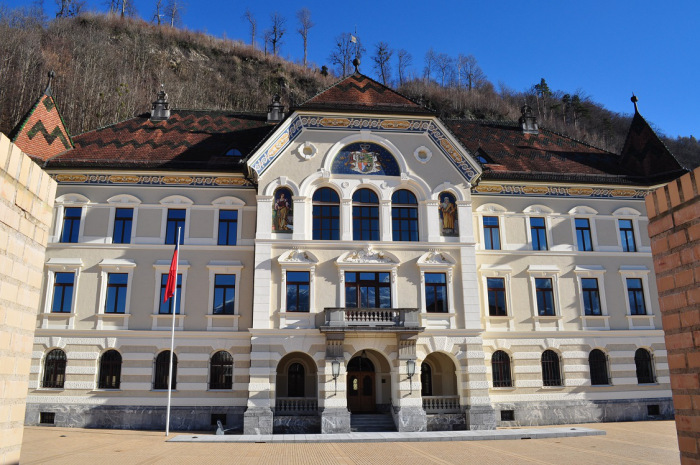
(361, 387)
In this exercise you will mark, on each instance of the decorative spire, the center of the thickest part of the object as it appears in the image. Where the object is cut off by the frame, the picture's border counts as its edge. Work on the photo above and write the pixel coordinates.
(356, 64)
(52, 75)
(160, 109)
(634, 100)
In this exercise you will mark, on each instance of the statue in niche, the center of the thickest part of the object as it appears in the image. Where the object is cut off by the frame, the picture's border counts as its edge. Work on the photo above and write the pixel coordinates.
(448, 214)
(282, 211)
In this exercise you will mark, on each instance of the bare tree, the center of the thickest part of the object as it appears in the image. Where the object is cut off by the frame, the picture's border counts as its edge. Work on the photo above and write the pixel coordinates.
(69, 8)
(121, 7)
(347, 46)
(267, 39)
(405, 60)
(158, 13)
(429, 63)
(443, 63)
(382, 55)
(277, 31)
(248, 15)
(305, 23)
(173, 11)
(469, 71)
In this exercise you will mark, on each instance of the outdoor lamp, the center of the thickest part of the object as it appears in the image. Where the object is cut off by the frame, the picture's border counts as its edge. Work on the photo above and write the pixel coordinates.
(335, 367)
(410, 371)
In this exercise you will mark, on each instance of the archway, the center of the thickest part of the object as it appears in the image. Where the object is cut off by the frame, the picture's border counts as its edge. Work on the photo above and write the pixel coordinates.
(439, 384)
(367, 376)
(296, 385)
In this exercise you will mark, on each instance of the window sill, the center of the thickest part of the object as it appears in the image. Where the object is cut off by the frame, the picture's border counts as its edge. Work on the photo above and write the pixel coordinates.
(108, 315)
(596, 317)
(223, 315)
(500, 317)
(220, 390)
(648, 384)
(512, 388)
(167, 315)
(51, 389)
(553, 388)
(601, 385)
(106, 390)
(163, 390)
(646, 315)
(50, 314)
(547, 317)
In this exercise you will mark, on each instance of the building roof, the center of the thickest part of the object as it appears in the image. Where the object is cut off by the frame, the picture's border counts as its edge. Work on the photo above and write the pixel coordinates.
(189, 139)
(358, 92)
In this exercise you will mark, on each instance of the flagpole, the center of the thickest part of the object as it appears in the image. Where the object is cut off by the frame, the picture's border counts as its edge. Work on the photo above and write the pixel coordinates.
(172, 340)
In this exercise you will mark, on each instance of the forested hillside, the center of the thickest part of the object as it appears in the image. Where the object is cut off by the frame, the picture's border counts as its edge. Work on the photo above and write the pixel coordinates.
(109, 68)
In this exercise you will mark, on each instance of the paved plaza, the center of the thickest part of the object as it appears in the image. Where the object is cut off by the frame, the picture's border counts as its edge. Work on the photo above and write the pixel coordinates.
(623, 443)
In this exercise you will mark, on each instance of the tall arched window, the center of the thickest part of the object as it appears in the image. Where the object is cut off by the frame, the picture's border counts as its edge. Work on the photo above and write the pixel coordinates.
(110, 370)
(404, 216)
(426, 380)
(598, 363)
(160, 381)
(221, 371)
(365, 216)
(295, 378)
(645, 370)
(500, 369)
(54, 369)
(551, 371)
(326, 214)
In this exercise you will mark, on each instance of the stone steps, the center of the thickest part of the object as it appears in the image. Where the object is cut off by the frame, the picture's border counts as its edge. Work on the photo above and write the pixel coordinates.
(371, 423)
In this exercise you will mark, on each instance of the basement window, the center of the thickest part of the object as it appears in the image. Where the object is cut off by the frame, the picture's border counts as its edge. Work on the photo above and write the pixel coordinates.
(507, 415)
(47, 418)
(218, 417)
(653, 410)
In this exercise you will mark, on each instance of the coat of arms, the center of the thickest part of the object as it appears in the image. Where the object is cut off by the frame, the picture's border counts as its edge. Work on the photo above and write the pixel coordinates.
(364, 161)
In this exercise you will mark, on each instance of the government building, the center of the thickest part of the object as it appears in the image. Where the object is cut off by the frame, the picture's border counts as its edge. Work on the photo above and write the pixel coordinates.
(354, 263)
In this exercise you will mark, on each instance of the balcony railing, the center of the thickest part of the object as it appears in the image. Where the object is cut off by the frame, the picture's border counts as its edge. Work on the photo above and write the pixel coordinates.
(372, 318)
(290, 406)
(441, 404)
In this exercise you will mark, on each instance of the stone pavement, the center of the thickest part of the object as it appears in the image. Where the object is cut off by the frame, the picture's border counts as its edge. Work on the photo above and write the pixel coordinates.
(630, 443)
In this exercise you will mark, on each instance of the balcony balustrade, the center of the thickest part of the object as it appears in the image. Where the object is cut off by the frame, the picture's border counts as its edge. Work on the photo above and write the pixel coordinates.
(441, 404)
(372, 319)
(290, 406)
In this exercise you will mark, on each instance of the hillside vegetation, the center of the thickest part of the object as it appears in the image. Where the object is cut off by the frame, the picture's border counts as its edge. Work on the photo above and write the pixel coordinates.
(109, 69)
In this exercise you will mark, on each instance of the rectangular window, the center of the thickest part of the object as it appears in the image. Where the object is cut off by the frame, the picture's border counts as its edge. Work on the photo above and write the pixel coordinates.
(367, 290)
(62, 292)
(228, 227)
(545, 296)
(492, 237)
(298, 289)
(71, 224)
(538, 233)
(627, 236)
(123, 218)
(116, 292)
(497, 296)
(583, 234)
(166, 308)
(591, 296)
(176, 219)
(635, 294)
(436, 292)
(224, 294)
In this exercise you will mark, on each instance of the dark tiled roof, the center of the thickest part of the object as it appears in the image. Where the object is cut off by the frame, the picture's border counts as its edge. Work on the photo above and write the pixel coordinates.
(360, 93)
(42, 133)
(645, 155)
(189, 139)
(546, 156)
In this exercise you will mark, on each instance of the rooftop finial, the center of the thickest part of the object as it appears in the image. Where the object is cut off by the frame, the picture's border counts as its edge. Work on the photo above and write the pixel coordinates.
(51, 75)
(356, 64)
(160, 109)
(634, 100)
(528, 121)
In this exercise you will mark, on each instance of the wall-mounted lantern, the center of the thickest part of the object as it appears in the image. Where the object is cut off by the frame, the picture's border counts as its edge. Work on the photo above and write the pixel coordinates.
(335, 367)
(410, 371)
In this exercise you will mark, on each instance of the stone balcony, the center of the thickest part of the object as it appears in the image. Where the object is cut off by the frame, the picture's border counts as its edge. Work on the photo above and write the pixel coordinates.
(372, 319)
(441, 404)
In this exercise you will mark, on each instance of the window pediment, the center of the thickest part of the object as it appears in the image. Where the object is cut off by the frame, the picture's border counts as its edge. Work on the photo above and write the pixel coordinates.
(436, 258)
(297, 257)
(367, 256)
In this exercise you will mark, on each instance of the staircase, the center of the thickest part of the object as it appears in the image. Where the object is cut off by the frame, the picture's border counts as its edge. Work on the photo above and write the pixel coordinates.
(371, 423)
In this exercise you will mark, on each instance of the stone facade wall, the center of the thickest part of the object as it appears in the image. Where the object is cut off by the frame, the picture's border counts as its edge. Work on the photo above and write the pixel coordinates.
(674, 227)
(26, 202)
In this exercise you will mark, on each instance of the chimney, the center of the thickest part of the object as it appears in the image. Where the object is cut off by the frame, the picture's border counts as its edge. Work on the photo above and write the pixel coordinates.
(275, 112)
(528, 121)
(160, 110)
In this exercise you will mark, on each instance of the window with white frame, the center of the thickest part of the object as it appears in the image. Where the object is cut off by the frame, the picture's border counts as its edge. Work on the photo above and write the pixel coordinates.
(436, 290)
(224, 282)
(635, 282)
(176, 215)
(123, 215)
(62, 293)
(165, 309)
(544, 281)
(627, 225)
(298, 275)
(491, 224)
(495, 287)
(115, 292)
(367, 278)
(538, 223)
(592, 301)
(228, 211)
(583, 224)
(70, 218)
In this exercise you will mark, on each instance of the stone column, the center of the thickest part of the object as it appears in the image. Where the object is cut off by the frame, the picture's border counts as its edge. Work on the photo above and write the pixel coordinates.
(258, 418)
(335, 417)
(301, 231)
(407, 408)
(385, 220)
(346, 219)
(433, 220)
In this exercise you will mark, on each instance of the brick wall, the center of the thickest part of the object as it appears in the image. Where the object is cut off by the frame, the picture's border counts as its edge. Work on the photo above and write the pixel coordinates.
(26, 203)
(674, 228)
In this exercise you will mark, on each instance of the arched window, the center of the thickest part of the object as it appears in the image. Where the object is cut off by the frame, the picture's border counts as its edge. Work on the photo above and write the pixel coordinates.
(295, 379)
(365, 216)
(54, 369)
(221, 371)
(551, 371)
(404, 216)
(598, 362)
(500, 369)
(160, 380)
(110, 370)
(326, 214)
(426, 380)
(645, 370)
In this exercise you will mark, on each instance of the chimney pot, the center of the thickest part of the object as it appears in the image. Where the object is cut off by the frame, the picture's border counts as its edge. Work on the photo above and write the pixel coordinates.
(528, 121)
(160, 109)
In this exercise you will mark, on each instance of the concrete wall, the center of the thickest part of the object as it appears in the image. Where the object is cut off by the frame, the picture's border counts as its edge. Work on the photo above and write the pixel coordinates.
(674, 228)
(26, 202)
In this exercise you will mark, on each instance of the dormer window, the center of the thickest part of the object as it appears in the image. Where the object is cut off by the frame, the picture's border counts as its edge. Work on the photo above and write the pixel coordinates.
(233, 153)
(482, 159)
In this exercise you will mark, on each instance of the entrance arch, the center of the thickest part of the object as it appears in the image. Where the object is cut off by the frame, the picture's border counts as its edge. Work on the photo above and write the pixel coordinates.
(367, 377)
(296, 382)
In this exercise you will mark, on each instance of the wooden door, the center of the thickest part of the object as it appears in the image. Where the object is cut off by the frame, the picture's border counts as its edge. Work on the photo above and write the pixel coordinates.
(361, 392)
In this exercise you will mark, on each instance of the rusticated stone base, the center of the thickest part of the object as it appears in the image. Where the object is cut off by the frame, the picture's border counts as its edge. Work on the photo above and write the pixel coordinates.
(136, 417)
(296, 424)
(481, 417)
(584, 411)
(258, 421)
(447, 422)
(410, 419)
(335, 420)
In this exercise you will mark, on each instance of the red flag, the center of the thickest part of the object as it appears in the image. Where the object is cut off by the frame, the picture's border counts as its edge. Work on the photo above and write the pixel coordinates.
(172, 275)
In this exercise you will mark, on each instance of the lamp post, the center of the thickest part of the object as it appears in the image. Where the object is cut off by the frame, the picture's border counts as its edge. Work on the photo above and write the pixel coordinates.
(335, 368)
(410, 371)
